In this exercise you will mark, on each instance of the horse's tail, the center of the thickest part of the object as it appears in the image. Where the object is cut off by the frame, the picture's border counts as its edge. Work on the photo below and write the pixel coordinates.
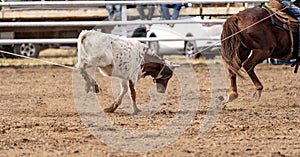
(230, 41)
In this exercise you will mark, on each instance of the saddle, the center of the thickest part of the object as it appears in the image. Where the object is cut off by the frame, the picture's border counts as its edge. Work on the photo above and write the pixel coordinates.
(283, 21)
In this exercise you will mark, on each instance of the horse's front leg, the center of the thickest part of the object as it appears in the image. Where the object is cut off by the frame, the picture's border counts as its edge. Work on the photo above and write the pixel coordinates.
(133, 97)
(296, 64)
(249, 65)
(118, 101)
(257, 84)
(233, 94)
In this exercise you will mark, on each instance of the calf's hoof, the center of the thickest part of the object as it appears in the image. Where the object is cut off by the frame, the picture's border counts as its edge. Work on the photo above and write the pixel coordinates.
(96, 89)
(136, 111)
(109, 110)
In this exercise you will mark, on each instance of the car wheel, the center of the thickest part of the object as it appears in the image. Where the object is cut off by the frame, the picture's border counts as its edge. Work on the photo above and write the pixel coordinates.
(190, 48)
(27, 49)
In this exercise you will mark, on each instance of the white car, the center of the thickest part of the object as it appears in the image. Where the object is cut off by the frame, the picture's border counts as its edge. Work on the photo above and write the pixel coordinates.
(207, 47)
(177, 34)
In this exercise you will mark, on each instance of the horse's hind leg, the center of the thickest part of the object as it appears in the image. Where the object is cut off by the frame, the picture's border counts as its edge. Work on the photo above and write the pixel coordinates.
(249, 65)
(233, 94)
(233, 87)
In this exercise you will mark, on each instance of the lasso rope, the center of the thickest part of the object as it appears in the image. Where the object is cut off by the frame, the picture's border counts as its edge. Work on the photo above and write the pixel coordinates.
(40, 60)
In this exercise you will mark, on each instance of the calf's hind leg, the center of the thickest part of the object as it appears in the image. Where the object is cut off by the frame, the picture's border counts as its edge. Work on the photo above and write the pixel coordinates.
(90, 82)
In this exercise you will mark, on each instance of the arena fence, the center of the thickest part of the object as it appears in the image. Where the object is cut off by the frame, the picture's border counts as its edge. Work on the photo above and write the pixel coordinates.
(102, 23)
(102, 3)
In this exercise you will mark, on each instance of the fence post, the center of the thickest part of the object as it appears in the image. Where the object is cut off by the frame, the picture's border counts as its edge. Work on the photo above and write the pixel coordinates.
(124, 18)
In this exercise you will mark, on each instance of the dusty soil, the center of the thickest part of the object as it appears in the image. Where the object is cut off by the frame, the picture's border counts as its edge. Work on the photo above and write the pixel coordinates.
(39, 117)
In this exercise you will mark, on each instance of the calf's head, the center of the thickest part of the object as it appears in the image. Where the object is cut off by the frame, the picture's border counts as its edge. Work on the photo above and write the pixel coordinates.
(161, 74)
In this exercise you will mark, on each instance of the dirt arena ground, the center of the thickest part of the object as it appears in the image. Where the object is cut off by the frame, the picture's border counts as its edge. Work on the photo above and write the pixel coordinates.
(39, 117)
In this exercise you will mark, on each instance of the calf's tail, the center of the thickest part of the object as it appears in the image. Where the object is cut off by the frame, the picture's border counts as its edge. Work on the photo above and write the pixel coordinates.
(80, 48)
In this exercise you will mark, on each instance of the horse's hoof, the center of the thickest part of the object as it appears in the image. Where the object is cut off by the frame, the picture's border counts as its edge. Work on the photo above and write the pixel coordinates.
(257, 95)
(109, 110)
(231, 97)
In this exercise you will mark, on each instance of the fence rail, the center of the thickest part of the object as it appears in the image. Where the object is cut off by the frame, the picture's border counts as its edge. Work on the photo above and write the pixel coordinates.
(74, 40)
(102, 3)
(103, 23)
(59, 4)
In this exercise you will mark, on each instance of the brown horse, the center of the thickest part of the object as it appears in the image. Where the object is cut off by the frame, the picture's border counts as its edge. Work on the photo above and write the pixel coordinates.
(247, 40)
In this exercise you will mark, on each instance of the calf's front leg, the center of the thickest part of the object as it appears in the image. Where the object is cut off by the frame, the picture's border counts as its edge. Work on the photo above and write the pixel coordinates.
(118, 101)
(133, 97)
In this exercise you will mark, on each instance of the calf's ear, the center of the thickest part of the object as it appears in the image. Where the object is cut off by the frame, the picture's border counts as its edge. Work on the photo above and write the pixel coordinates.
(171, 65)
(174, 65)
